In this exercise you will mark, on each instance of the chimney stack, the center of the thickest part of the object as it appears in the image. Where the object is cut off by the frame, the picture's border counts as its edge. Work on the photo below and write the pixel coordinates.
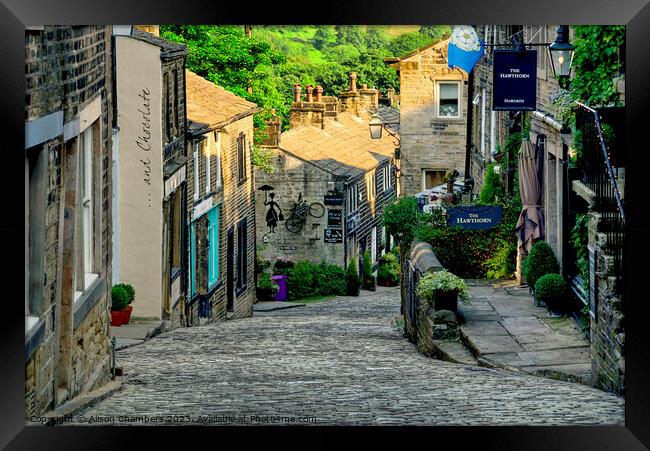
(296, 92)
(353, 81)
(310, 95)
(319, 94)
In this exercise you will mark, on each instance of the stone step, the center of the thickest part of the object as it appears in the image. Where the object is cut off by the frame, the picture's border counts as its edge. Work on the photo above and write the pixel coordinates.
(454, 352)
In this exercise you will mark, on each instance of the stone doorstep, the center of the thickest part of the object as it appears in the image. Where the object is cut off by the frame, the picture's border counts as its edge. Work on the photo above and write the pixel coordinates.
(261, 307)
(81, 402)
(454, 352)
(573, 372)
(133, 334)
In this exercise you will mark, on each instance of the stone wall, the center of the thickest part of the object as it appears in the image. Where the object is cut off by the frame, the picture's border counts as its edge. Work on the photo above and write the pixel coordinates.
(292, 177)
(68, 69)
(428, 141)
(607, 329)
(236, 203)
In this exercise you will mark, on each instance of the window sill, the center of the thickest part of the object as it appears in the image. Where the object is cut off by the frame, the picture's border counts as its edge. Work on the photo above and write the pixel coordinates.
(30, 323)
(89, 278)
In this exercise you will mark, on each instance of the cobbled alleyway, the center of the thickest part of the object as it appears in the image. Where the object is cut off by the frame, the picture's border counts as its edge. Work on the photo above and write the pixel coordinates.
(333, 362)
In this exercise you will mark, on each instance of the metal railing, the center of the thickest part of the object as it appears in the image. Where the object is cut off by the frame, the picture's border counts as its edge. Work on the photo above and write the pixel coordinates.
(602, 162)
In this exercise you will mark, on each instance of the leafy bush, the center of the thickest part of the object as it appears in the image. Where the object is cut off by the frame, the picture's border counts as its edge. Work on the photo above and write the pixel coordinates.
(352, 277)
(401, 217)
(492, 188)
(265, 282)
(329, 280)
(130, 291)
(502, 264)
(440, 281)
(539, 262)
(368, 277)
(388, 270)
(552, 289)
(119, 297)
(300, 281)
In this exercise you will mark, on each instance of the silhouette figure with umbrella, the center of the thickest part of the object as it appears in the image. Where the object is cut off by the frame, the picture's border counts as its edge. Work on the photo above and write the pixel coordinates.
(272, 216)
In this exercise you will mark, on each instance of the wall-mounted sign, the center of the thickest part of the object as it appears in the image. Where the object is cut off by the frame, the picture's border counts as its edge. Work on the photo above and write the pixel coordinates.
(333, 236)
(334, 218)
(475, 217)
(514, 80)
(333, 199)
(202, 208)
(174, 180)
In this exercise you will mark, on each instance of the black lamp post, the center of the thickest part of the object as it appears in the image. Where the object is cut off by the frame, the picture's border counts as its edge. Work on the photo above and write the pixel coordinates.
(561, 54)
(376, 126)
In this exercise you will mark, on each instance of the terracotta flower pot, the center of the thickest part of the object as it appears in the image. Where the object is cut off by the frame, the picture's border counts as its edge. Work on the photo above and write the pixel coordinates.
(116, 318)
(126, 314)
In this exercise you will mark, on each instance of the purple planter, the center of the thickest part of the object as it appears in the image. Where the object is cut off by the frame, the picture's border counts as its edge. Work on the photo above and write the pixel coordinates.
(281, 282)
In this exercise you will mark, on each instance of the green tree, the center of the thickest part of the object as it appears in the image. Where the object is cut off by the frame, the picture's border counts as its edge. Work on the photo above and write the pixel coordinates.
(350, 34)
(436, 32)
(376, 38)
(324, 37)
(408, 42)
(492, 188)
(401, 218)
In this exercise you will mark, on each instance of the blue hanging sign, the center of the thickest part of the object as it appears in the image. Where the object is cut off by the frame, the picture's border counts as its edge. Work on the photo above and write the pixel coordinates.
(475, 217)
(514, 80)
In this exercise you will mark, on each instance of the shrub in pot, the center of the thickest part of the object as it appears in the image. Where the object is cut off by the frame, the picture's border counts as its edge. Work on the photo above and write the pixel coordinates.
(120, 300)
(266, 289)
(130, 291)
(368, 278)
(388, 270)
(540, 261)
(552, 289)
(353, 279)
(442, 289)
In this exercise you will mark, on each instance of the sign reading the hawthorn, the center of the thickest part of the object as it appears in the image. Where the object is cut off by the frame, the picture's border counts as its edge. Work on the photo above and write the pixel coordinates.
(515, 80)
(475, 217)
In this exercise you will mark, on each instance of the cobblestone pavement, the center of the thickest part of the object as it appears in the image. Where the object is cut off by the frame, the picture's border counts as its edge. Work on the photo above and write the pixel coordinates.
(334, 362)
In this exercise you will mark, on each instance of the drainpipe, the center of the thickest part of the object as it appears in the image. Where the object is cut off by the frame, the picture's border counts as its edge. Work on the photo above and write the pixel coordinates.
(470, 109)
(113, 353)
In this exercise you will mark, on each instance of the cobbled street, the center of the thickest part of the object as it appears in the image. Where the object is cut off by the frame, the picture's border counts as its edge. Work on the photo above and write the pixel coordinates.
(332, 362)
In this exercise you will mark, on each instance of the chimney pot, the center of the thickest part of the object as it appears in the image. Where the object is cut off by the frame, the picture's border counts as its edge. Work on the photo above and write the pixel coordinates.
(296, 92)
(319, 93)
(310, 95)
(353, 81)
(364, 86)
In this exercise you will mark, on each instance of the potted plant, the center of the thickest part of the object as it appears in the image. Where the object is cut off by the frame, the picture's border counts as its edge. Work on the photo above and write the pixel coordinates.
(368, 278)
(120, 300)
(131, 293)
(442, 290)
(388, 271)
(540, 261)
(552, 290)
(266, 288)
(353, 279)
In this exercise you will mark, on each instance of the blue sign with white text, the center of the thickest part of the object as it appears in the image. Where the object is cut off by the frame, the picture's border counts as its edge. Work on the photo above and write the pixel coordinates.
(514, 80)
(475, 217)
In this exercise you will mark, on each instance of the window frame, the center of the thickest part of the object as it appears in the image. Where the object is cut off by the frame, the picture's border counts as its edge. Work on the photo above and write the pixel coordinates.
(195, 148)
(371, 186)
(242, 256)
(424, 177)
(217, 141)
(353, 197)
(458, 98)
(242, 173)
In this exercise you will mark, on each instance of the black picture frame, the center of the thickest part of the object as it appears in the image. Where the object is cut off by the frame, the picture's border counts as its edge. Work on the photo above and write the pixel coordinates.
(16, 14)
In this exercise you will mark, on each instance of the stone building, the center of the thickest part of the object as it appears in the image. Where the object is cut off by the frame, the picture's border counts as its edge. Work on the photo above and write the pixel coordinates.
(328, 160)
(433, 114)
(67, 213)
(487, 129)
(149, 245)
(221, 215)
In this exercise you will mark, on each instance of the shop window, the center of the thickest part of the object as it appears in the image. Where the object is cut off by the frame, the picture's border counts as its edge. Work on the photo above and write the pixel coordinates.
(448, 96)
(242, 246)
(213, 247)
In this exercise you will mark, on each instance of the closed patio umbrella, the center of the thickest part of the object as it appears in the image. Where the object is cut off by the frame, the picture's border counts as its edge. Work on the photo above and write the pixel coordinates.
(530, 226)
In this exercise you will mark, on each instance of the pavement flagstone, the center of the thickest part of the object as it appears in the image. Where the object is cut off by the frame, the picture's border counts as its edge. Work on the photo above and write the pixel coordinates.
(335, 362)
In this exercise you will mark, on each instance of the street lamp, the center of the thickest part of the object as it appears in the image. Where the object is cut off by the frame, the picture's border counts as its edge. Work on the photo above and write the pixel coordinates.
(376, 126)
(560, 52)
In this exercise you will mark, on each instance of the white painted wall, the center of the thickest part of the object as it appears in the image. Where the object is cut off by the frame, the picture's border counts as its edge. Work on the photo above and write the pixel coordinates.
(140, 239)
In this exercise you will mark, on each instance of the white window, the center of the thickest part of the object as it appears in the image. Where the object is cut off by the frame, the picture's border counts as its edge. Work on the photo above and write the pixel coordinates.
(218, 154)
(448, 96)
(387, 179)
(207, 149)
(353, 198)
(196, 171)
(371, 185)
(431, 179)
(86, 272)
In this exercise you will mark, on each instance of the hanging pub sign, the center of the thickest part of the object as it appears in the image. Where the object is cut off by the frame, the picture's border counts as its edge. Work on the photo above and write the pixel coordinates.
(333, 199)
(475, 217)
(514, 80)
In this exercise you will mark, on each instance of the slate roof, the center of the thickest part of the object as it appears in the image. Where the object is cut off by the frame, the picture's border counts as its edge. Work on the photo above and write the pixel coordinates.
(168, 49)
(343, 148)
(210, 107)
